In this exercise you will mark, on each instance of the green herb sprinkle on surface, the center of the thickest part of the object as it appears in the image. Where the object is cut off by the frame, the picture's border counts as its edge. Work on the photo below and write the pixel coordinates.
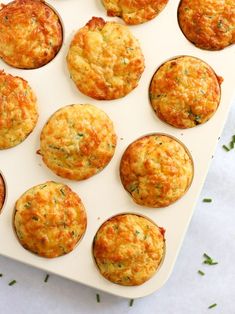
(212, 305)
(13, 282)
(231, 145)
(226, 148)
(207, 200)
(46, 278)
(97, 298)
(131, 302)
(208, 260)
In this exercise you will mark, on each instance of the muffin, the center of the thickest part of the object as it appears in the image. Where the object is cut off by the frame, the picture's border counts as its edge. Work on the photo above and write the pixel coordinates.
(185, 92)
(18, 110)
(30, 34)
(134, 12)
(2, 192)
(208, 24)
(105, 60)
(156, 170)
(78, 141)
(128, 249)
(49, 219)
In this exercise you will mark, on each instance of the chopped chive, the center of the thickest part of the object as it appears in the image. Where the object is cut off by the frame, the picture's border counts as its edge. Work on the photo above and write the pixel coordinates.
(27, 205)
(226, 148)
(201, 273)
(208, 260)
(46, 278)
(12, 283)
(212, 305)
(219, 24)
(131, 302)
(207, 256)
(54, 147)
(1, 275)
(197, 118)
(62, 192)
(97, 298)
(231, 145)
(207, 200)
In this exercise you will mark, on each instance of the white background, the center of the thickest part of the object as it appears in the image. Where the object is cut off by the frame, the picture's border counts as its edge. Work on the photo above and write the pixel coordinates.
(186, 292)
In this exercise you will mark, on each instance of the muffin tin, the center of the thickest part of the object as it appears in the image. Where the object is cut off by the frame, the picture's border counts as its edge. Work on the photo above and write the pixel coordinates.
(103, 194)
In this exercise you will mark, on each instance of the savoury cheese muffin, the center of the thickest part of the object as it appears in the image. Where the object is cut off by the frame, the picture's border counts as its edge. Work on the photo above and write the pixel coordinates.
(49, 219)
(156, 170)
(185, 92)
(128, 249)
(209, 24)
(2, 192)
(134, 12)
(30, 34)
(78, 141)
(18, 110)
(105, 60)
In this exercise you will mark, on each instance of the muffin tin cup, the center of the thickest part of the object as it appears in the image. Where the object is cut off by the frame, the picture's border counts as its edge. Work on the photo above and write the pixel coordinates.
(171, 59)
(191, 42)
(35, 254)
(62, 41)
(103, 195)
(188, 153)
(120, 214)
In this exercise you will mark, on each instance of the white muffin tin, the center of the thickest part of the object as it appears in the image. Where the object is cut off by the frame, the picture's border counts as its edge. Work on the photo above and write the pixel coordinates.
(103, 195)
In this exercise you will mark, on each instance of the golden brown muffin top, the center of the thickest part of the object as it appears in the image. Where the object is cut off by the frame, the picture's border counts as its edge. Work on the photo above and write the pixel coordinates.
(185, 92)
(105, 60)
(49, 219)
(78, 141)
(209, 24)
(128, 249)
(134, 12)
(18, 110)
(156, 170)
(30, 33)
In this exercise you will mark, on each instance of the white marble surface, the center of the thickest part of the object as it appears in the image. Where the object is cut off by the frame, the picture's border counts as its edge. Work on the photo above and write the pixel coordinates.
(186, 292)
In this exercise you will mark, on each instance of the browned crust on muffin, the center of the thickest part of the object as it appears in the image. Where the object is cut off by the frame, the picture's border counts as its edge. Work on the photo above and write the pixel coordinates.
(49, 219)
(78, 141)
(30, 34)
(18, 110)
(209, 24)
(156, 170)
(185, 92)
(128, 249)
(105, 60)
(134, 12)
